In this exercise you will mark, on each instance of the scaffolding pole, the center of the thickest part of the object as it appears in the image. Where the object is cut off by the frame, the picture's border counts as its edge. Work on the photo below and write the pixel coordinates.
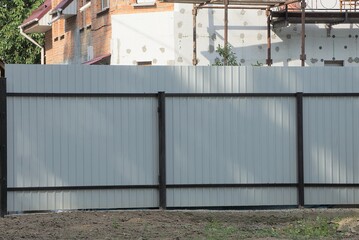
(225, 29)
(303, 55)
(194, 14)
(269, 39)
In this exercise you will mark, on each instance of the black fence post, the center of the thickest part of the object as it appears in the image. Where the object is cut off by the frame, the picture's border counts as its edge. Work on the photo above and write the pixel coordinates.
(162, 149)
(300, 156)
(3, 153)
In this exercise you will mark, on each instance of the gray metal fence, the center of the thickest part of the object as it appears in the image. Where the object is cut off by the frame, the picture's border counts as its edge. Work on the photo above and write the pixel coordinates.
(81, 137)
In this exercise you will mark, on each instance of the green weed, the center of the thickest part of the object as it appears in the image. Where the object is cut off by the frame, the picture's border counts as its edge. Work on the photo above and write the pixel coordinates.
(215, 230)
(311, 229)
(115, 225)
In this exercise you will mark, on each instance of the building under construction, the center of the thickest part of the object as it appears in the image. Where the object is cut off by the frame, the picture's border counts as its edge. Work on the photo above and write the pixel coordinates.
(188, 32)
(272, 32)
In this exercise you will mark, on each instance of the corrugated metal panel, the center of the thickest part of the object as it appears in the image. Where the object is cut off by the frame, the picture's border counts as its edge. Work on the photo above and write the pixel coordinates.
(216, 197)
(331, 196)
(90, 141)
(84, 199)
(82, 142)
(331, 137)
(234, 140)
(189, 79)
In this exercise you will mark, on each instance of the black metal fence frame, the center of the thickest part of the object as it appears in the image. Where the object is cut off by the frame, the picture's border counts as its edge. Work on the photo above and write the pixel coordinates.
(162, 185)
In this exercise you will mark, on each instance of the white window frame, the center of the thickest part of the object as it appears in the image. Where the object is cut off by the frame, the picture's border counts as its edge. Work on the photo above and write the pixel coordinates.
(105, 4)
(144, 3)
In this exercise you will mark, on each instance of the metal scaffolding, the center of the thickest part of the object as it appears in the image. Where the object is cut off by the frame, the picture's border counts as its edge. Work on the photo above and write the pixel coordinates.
(275, 18)
(241, 4)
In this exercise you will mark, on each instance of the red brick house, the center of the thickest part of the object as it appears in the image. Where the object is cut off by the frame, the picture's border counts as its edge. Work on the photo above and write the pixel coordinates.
(79, 31)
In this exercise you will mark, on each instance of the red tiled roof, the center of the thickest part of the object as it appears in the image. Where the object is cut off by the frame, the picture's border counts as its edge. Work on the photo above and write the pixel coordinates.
(62, 5)
(97, 59)
(38, 13)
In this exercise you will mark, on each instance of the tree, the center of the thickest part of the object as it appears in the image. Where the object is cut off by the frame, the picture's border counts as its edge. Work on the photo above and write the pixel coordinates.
(14, 48)
(225, 52)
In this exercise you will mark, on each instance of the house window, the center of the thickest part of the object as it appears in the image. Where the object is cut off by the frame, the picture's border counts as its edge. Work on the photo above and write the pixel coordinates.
(144, 63)
(334, 63)
(105, 4)
(144, 3)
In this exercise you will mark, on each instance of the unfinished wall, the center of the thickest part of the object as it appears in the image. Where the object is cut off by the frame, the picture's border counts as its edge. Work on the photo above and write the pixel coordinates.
(247, 35)
(88, 34)
(147, 37)
(161, 34)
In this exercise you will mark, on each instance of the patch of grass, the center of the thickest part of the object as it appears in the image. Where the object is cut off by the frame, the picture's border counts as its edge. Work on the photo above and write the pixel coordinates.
(215, 230)
(306, 228)
(258, 232)
(115, 225)
(311, 229)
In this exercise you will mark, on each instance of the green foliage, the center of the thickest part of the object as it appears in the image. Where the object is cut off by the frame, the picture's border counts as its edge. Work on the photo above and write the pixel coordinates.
(307, 228)
(225, 52)
(115, 224)
(311, 229)
(257, 64)
(215, 230)
(14, 48)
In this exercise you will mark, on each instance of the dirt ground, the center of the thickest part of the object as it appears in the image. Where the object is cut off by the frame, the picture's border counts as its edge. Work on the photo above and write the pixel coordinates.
(155, 224)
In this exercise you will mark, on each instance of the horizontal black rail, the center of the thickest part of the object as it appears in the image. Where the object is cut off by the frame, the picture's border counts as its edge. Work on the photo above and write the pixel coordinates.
(218, 95)
(263, 185)
(233, 185)
(84, 95)
(205, 185)
(66, 188)
(177, 95)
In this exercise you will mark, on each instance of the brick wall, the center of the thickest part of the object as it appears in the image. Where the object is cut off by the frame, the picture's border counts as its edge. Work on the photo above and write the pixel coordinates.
(69, 39)
(60, 49)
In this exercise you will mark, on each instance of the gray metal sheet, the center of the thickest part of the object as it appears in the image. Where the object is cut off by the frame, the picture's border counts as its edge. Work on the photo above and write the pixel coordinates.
(331, 196)
(229, 197)
(84, 199)
(91, 141)
(216, 140)
(177, 79)
(331, 137)
(82, 141)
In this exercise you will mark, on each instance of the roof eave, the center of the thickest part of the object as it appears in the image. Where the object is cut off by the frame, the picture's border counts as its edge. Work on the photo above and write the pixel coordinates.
(32, 22)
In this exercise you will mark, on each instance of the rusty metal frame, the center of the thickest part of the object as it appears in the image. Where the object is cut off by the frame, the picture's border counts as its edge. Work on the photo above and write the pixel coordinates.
(226, 5)
(261, 5)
